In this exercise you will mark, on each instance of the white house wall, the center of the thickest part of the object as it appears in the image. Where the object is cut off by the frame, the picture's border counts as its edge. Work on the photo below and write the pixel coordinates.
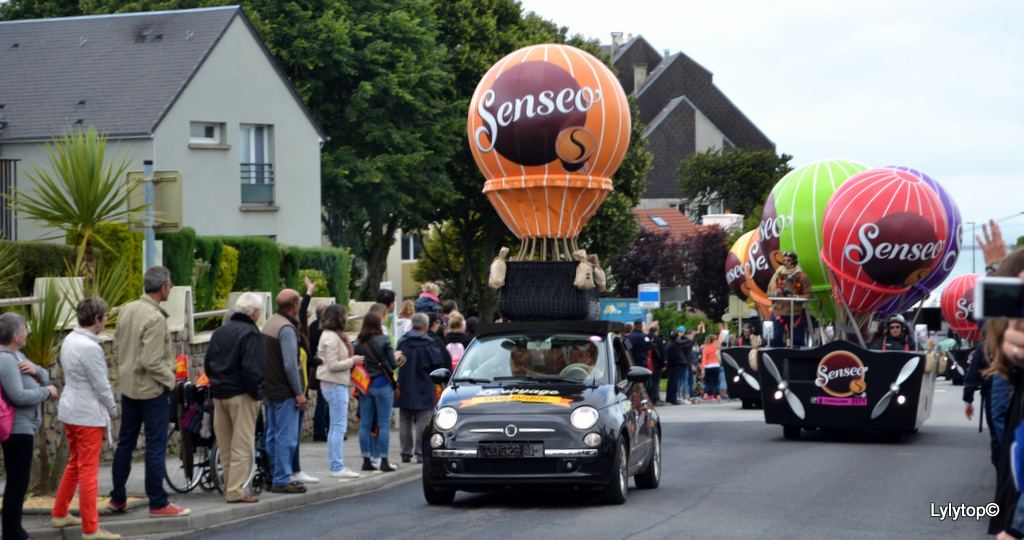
(34, 153)
(238, 85)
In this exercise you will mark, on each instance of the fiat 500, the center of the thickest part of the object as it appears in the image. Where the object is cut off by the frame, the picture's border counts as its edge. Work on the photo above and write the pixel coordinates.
(541, 406)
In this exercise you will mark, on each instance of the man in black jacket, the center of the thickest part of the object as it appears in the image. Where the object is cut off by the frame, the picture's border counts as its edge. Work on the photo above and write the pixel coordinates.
(234, 364)
(416, 402)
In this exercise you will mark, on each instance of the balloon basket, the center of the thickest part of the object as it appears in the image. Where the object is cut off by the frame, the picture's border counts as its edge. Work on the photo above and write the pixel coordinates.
(544, 290)
(795, 399)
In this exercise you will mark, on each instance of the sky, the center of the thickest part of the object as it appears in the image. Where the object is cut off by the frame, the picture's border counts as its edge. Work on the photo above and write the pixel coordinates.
(936, 85)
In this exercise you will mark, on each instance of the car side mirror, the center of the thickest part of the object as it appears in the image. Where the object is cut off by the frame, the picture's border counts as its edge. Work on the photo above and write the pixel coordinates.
(442, 376)
(638, 374)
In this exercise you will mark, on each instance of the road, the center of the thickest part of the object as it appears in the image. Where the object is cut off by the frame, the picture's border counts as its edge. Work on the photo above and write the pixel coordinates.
(727, 474)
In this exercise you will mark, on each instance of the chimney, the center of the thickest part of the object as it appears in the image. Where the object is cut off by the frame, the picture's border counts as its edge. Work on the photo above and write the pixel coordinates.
(668, 52)
(616, 42)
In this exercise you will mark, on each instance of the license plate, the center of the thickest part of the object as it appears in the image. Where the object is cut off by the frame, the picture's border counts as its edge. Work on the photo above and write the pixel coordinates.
(511, 450)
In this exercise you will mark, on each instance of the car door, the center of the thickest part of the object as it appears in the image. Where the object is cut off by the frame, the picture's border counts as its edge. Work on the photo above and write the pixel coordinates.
(638, 412)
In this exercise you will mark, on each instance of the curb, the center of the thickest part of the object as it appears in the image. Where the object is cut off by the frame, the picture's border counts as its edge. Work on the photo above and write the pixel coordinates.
(209, 513)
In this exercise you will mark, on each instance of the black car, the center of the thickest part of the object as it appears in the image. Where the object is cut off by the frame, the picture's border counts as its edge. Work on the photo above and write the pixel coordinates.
(539, 406)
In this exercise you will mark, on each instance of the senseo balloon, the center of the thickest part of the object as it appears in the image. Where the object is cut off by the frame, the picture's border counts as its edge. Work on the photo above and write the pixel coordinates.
(947, 259)
(548, 127)
(735, 275)
(957, 303)
(791, 220)
(883, 231)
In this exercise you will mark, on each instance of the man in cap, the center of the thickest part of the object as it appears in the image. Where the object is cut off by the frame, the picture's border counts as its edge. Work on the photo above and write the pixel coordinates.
(896, 336)
(791, 282)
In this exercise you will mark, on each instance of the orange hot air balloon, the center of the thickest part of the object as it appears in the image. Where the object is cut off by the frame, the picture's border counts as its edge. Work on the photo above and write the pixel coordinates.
(548, 127)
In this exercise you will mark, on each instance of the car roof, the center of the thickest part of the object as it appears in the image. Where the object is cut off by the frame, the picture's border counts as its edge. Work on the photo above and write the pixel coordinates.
(519, 327)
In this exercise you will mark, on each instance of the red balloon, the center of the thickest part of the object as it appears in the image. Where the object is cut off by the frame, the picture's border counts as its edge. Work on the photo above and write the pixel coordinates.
(883, 231)
(957, 303)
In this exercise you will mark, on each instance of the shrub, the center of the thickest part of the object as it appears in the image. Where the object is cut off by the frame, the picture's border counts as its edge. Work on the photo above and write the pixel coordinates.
(207, 249)
(290, 257)
(259, 263)
(113, 241)
(317, 277)
(336, 264)
(179, 254)
(40, 259)
(227, 272)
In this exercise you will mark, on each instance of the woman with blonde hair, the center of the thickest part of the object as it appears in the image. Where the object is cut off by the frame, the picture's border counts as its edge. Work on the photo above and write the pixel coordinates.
(428, 302)
(405, 314)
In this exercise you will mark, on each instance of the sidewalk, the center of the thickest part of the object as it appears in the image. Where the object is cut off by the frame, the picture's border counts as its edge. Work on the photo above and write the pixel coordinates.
(209, 509)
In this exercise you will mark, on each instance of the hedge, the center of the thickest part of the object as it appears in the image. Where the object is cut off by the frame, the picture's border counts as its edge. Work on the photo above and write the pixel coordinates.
(208, 249)
(115, 241)
(179, 254)
(336, 264)
(227, 273)
(290, 258)
(259, 263)
(40, 259)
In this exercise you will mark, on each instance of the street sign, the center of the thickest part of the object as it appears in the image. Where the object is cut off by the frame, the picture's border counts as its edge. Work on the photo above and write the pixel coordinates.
(676, 294)
(649, 295)
(167, 211)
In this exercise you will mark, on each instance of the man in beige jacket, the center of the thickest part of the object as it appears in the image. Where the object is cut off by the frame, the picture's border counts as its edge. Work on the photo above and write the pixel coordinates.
(142, 347)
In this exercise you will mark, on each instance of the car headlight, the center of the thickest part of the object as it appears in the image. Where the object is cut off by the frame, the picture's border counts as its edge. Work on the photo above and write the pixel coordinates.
(446, 418)
(583, 418)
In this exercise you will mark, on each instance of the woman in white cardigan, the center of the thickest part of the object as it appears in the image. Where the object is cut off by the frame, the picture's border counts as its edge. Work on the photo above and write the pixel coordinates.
(338, 357)
(85, 408)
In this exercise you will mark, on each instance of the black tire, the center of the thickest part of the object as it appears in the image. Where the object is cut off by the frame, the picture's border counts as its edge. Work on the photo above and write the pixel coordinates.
(791, 433)
(435, 496)
(182, 475)
(748, 404)
(651, 477)
(216, 469)
(204, 459)
(618, 486)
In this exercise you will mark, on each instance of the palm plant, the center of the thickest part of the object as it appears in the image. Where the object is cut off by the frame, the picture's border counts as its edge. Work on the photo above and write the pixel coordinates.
(79, 191)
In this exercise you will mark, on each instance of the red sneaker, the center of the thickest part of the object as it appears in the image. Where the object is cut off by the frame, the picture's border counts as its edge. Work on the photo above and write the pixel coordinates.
(169, 511)
(118, 507)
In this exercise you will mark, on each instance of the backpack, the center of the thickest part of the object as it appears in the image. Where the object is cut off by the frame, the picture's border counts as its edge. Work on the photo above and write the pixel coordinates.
(455, 349)
(6, 416)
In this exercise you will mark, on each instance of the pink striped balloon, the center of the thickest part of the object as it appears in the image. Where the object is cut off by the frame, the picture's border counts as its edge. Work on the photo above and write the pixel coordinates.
(883, 231)
(957, 302)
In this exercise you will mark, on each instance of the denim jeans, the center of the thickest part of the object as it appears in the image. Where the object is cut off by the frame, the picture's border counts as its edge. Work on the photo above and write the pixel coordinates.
(687, 378)
(780, 331)
(282, 438)
(377, 399)
(155, 413)
(999, 403)
(337, 401)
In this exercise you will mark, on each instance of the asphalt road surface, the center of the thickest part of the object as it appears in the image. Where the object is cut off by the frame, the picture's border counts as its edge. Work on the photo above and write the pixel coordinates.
(727, 474)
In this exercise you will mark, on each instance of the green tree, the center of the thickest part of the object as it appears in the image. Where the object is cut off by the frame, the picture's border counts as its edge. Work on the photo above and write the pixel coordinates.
(384, 167)
(37, 9)
(740, 179)
(78, 193)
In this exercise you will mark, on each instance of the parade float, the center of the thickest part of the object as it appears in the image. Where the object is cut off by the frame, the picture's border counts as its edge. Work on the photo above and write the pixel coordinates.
(874, 243)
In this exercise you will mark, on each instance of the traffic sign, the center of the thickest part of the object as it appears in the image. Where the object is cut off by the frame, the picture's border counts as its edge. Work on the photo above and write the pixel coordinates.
(649, 295)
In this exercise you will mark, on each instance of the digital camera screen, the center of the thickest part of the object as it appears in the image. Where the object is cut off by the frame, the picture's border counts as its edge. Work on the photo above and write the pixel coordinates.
(1003, 300)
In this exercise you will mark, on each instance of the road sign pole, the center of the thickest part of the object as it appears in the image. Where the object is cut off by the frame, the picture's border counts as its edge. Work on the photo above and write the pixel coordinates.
(147, 167)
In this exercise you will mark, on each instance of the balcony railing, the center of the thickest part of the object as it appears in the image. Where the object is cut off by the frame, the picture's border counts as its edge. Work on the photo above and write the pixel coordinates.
(257, 183)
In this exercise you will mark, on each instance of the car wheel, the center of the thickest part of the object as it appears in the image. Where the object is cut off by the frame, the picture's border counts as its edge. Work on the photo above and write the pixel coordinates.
(791, 432)
(651, 477)
(436, 496)
(618, 486)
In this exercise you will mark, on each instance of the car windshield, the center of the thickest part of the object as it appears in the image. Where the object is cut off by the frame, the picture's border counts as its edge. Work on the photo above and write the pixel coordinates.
(536, 357)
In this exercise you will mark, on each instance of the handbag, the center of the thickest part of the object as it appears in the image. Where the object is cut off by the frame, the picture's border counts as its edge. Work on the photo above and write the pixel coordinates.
(388, 374)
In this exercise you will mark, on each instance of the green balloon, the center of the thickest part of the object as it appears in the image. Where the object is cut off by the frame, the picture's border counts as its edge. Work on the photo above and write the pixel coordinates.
(800, 198)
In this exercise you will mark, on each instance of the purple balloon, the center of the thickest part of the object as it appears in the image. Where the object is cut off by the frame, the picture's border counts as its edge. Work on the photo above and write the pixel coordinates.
(946, 262)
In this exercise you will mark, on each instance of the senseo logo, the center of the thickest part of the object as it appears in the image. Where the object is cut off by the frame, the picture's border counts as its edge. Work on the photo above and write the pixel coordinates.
(897, 250)
(841, 374)
(772, 228)
(965, 306)
(534, 113)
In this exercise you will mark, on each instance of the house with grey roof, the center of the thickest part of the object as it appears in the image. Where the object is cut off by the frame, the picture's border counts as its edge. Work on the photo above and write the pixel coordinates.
(193, 90)
(684, 112)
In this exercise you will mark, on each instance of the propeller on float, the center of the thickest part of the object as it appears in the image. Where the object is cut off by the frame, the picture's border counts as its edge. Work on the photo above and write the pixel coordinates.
(794, 401)
(894, 389)
(952, 360)
(751, 380)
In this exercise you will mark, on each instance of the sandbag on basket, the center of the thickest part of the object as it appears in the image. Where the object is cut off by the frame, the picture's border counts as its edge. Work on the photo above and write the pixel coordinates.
(543, 290)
